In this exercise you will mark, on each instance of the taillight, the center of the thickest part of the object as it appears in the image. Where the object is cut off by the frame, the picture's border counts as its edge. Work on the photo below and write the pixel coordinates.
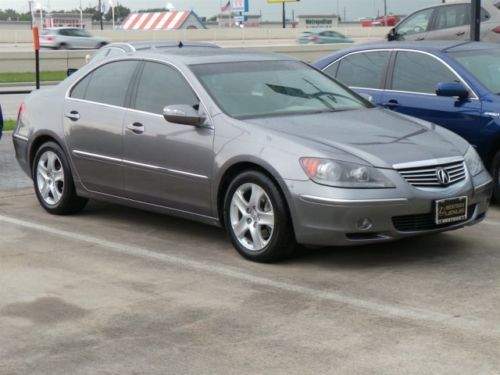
(49, 38)
(22, 107)
(314, 38)
(496, 30)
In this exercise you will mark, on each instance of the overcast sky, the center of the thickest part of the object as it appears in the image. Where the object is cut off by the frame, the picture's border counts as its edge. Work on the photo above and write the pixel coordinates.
(354, 8)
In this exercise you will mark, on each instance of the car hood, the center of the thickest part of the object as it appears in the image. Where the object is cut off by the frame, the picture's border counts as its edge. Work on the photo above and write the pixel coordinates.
(380, 137)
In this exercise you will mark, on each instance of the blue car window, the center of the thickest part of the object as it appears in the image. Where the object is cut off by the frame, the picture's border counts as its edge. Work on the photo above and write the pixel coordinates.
(1, 121)
(364, 70)
(420, 73)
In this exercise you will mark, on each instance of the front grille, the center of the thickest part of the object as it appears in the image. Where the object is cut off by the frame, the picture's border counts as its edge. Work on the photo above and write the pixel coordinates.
(428, 176)
(415, 223)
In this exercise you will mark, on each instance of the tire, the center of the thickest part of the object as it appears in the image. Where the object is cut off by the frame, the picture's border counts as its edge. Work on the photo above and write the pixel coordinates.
(102, 44)
(62, 46)
(257, 218)
(53, 181)
(495, 173)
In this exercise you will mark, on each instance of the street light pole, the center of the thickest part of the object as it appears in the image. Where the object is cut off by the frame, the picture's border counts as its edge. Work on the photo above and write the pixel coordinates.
(385, 8)
(100, 14)
(475, 25)
(284, 15)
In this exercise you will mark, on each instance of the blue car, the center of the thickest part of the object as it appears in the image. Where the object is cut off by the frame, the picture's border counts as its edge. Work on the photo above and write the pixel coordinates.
(449, 83)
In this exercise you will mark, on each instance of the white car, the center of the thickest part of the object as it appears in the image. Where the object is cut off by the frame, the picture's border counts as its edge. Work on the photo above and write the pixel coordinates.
(70, 38)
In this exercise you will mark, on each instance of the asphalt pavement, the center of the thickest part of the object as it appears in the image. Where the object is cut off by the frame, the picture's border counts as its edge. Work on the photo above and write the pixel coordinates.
(115, 290)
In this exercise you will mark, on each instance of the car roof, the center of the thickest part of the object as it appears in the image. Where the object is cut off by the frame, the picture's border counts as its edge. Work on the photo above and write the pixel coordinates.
(200, 55)
(429, 46)
(158, 44)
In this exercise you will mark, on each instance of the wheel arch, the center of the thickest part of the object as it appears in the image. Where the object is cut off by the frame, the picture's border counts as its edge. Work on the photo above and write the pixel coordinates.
(238, 167)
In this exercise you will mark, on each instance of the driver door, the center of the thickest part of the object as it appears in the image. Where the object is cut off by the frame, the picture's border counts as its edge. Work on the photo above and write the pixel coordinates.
(415, 26)
(166, 164)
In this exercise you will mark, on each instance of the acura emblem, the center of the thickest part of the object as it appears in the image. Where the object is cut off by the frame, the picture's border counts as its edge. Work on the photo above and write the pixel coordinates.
(442, 176)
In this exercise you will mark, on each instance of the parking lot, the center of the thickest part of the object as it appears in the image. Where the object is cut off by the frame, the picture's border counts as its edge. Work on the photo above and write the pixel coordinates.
(116, 290)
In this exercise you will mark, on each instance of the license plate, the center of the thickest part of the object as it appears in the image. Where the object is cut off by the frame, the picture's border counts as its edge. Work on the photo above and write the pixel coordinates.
(451, 210)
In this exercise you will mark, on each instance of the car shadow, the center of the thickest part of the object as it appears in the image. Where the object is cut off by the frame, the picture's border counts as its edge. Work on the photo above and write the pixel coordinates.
(421, 249)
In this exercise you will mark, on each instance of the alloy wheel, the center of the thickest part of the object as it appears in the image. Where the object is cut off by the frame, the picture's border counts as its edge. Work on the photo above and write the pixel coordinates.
(50, 178)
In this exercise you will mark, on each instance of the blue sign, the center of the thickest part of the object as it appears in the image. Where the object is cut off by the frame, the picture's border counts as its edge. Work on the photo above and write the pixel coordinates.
(240, 5)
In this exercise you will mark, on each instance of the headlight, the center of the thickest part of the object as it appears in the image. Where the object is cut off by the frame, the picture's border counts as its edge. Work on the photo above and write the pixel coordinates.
(474, 162)
(343, 174)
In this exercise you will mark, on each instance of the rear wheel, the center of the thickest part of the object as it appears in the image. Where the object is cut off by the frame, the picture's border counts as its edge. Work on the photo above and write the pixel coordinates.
(257, 218)
(53, 181)
(62, 46)
(495, 173)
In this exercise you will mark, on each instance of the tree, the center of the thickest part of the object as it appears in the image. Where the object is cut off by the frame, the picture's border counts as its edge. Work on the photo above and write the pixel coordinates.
(121, 12)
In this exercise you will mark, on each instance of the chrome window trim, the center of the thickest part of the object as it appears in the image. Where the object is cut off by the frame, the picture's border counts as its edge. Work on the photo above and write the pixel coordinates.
(139, 59)
(428, 162)
(136, 164)
(474, 95)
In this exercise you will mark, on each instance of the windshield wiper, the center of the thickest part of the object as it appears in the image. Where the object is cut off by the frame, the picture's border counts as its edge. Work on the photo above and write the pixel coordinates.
(298, 93)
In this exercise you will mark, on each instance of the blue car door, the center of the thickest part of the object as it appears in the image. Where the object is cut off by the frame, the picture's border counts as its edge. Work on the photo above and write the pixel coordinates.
(363, 72)
(411, 90)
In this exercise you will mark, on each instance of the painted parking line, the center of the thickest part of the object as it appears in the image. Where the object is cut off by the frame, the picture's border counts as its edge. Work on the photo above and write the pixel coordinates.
(471, 326)
(492, 222)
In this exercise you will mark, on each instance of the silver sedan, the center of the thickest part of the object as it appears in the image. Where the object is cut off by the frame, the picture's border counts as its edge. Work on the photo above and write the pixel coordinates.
(70, 38)
(263, 145)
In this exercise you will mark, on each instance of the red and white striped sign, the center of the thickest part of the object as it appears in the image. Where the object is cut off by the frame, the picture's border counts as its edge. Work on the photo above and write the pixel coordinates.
(155, 21)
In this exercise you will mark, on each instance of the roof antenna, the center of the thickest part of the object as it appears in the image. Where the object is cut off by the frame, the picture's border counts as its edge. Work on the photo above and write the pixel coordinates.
(181, 44)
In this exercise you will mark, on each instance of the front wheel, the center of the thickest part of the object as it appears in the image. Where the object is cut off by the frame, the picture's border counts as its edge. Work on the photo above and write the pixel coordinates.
(257, 219)
(53, 181)
(495, 173)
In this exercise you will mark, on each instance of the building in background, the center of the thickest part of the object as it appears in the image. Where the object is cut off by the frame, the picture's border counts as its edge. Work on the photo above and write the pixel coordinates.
(174, 20)
(68, 20)
(319, 21)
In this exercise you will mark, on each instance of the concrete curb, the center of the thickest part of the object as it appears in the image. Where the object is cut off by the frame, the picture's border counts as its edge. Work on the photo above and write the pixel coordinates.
(24, 84)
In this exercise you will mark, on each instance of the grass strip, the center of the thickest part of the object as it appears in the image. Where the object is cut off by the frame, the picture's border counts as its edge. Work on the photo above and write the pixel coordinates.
(30, 77)
(9, 125)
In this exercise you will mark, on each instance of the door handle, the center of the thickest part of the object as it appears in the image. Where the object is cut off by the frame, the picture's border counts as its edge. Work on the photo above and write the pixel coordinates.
(73, 116)
(136, 128)
(391, 104)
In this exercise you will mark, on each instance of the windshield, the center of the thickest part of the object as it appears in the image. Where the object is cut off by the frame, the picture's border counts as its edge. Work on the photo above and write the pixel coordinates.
(267, 88)
(484, 65)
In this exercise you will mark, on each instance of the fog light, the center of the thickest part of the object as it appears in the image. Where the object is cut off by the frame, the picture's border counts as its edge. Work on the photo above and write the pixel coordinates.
(364, 224)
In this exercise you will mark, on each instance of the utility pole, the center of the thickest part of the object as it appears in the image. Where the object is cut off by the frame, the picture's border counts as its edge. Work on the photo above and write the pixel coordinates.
(100, 14)
(475, 25)
(284, 15)
(385, 9)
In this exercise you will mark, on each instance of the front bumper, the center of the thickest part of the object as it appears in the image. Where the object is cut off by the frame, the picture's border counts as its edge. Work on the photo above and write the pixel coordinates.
(326, 216)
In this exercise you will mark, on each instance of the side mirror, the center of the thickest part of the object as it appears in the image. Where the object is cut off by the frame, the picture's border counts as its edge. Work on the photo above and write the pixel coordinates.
(70, 71)
(452, 89)
(183, 114)
(393, 35)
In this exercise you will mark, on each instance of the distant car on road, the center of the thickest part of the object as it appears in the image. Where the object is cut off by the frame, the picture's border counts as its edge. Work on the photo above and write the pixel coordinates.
(452, 84)
(323, 37)
(449, 21)
(261, 144)
(70, 38)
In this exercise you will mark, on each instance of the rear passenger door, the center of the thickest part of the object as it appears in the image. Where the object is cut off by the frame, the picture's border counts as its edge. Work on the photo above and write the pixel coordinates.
(412, 91)
(93, 124)
(364, 72)
(452, 22)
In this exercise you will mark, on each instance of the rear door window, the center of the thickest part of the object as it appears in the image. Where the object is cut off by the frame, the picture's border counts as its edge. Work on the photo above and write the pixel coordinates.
(453, 16)
(107, 84)
(363, 70)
